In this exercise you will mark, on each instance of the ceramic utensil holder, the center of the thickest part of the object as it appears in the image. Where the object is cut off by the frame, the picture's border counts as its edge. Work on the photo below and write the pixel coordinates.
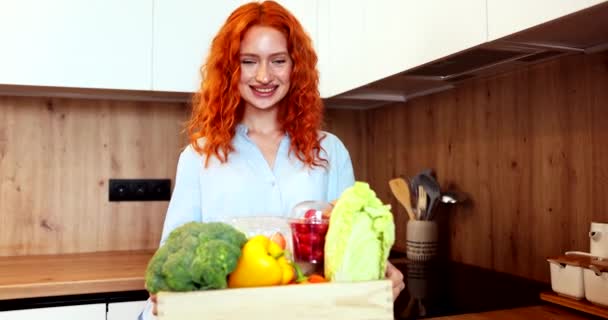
(598, 238)
(422, 240)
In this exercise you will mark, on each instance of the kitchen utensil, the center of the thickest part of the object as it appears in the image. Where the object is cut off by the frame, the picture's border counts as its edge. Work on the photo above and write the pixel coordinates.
(451, 197)
(401, 191)
(433, 190)
(414, 183)
(429, 172)
(422, 202)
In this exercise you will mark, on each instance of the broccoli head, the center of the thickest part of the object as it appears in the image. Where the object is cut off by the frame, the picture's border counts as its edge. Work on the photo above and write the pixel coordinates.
(213, 261)
(185, 234)
(195, 256)
(223, 231)
(154, 279)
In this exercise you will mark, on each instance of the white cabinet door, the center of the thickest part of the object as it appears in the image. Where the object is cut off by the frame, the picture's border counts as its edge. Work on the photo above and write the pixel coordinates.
(75, 43)
(79, 312)
(367, 40)
(184, 29)
(306, 11)
(508, 17)
(342, 47)
(125, 310)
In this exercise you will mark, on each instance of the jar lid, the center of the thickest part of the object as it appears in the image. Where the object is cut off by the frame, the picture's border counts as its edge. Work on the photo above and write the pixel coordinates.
(571, 259)
(584, 261)
(598, 265)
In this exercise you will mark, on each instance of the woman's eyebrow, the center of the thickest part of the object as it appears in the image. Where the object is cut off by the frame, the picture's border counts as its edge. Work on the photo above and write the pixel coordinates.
(281, 53)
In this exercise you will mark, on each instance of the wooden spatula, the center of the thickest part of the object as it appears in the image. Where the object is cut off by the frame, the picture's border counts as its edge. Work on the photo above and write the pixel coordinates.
(401, 191)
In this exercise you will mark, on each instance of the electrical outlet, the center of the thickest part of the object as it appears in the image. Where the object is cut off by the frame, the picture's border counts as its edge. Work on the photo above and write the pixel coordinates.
(139, 190)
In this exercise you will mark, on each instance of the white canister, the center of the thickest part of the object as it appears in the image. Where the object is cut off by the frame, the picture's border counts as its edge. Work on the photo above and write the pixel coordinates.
(598, 238)
(596, 284)
(567, 276)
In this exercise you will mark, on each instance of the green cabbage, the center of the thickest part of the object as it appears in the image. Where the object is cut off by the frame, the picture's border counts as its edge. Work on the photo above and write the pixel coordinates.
(360, 236)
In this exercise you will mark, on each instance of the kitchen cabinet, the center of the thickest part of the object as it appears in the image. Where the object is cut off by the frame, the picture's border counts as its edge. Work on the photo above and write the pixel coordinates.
(508, 17)
(73, 43)
(125, 310)
(160, 45)
(367, 42)
(95, 311)
(184, 29)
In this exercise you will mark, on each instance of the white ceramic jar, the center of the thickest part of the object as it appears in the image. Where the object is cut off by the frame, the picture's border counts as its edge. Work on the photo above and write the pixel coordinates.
(598, 238)
(596, 283)
(567, 276)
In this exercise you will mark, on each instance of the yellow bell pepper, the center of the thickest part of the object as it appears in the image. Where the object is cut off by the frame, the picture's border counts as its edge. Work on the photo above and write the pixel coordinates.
(262, 263)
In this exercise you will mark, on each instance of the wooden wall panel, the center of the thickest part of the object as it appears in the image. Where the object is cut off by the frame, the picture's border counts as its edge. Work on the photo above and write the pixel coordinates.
(56, 156)
(528, 146)
(350, 127)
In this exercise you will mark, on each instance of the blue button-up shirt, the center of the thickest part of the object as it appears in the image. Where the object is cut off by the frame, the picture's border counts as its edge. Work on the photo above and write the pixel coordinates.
(246, 185)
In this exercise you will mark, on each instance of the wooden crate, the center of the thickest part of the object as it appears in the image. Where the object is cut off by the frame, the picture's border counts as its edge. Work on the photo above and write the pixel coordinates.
(360, 300)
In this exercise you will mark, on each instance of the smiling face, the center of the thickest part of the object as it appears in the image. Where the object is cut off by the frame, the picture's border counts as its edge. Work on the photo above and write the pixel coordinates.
(265, 67)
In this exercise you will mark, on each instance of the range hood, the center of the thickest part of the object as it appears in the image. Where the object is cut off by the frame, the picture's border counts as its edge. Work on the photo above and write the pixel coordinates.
(584, 32)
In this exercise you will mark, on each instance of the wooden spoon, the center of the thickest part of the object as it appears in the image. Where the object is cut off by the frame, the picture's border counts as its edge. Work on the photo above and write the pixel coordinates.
(401, 191)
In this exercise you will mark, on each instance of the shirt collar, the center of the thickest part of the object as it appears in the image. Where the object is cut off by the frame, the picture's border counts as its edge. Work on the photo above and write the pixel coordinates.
(242, 129)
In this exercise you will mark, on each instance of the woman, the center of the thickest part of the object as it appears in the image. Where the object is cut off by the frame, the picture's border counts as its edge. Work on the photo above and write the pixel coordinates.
(256, 147)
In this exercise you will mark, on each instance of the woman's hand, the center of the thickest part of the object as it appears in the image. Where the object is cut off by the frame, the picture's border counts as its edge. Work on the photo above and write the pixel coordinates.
(153, 299)
(396, 277)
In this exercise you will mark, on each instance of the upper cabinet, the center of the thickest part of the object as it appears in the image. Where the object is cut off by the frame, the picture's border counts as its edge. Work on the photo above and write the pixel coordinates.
(375, 39)
(74, 43)
(508, 17)
(184, 29)
(161, 45)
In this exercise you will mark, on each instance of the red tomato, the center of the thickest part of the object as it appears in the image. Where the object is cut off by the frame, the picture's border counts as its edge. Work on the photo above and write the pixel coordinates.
(279, 239)
(310, 214)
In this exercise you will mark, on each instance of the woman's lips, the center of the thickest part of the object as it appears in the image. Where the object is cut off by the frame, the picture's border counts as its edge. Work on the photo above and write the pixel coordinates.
(263, 92)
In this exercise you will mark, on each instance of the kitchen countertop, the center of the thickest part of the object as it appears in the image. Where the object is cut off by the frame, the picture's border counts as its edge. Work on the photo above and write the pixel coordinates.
(541, 312)
(443, 290)
(72, 274)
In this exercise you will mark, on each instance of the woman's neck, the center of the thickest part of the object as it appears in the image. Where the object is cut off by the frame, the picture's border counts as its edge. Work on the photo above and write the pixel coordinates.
(261, 121)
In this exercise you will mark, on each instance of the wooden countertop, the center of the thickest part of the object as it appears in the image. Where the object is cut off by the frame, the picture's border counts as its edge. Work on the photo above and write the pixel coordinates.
(541, 312)
(55, 275)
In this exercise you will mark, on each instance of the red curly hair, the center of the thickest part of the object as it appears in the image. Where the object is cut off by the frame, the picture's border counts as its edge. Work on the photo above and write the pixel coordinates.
(217, 106)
